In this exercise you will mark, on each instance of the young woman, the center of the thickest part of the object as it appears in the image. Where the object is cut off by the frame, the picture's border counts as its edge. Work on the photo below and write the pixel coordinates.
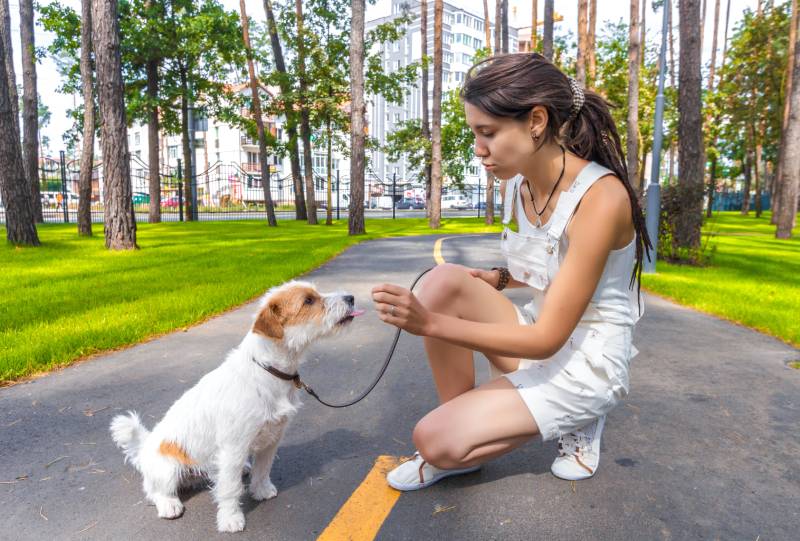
(579, 245)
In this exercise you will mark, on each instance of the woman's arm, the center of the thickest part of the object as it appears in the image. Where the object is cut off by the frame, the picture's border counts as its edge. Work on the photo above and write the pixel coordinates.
(604, 218)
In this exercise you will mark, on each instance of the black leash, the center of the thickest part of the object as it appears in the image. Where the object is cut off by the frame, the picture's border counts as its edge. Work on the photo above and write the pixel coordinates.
(298, 383)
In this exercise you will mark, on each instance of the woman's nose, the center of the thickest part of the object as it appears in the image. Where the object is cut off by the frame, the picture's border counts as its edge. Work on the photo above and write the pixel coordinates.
(481, 151)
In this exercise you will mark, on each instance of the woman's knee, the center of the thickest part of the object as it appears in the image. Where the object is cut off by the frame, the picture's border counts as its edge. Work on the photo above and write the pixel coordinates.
(436, 444)
(441, 284)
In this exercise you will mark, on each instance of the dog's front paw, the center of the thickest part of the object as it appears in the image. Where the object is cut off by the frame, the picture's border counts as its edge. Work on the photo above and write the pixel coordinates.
(230, 521)
(169, 507)
(263, 491)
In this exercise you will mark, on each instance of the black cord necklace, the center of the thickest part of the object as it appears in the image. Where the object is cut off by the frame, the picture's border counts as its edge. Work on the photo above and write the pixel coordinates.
(558, 181)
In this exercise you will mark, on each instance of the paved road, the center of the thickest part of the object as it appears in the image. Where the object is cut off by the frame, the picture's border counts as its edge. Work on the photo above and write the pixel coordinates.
(705, 447)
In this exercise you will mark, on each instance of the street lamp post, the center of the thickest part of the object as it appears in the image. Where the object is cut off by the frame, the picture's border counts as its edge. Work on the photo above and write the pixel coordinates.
(654, 188)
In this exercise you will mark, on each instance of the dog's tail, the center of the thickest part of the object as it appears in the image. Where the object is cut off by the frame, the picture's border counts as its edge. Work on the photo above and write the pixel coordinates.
(129, 433)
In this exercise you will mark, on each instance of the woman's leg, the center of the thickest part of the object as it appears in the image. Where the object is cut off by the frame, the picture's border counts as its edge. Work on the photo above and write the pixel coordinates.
(475, 426)
(450, 289)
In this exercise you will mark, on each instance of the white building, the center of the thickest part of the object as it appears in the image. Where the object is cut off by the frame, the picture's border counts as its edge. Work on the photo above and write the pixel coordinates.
(463, 33)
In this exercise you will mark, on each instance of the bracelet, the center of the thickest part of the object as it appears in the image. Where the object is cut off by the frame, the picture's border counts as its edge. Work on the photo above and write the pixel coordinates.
(505, 276)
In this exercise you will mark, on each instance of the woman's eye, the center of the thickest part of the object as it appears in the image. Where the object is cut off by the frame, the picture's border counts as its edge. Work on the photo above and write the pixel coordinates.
(309, 300)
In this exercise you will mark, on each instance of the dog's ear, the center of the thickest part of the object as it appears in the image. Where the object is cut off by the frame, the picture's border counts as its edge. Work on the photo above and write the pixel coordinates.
(268, 322)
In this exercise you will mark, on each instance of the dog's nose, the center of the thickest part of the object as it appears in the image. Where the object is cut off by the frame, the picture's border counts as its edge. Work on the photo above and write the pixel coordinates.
(350, 300)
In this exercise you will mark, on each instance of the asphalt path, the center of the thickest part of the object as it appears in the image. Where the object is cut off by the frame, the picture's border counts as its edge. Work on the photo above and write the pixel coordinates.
(705, 447)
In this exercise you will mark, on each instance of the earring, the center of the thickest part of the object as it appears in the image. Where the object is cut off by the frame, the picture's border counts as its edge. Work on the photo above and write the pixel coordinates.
(535, 137)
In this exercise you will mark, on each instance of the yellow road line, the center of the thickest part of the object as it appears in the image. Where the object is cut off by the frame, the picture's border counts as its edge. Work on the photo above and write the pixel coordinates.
(437, 250)
(363, 513)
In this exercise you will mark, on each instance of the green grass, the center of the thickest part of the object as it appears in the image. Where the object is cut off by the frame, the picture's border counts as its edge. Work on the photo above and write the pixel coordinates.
(71, 298)
(752, 279)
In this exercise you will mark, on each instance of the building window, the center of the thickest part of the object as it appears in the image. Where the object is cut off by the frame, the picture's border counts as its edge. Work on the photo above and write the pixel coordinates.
(467, 19)
(477, 43)
(448, 57)
(459, 76)
(396, 65)
(137, 138)
(396, 46)
(447, 37)
(458, 18)
(396, 118)
(172, 151)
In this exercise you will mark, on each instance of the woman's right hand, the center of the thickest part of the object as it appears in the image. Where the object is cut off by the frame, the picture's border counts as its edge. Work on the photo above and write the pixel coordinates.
(491, 277)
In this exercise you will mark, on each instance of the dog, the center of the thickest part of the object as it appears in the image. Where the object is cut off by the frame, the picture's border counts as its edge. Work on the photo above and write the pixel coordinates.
(236, 413)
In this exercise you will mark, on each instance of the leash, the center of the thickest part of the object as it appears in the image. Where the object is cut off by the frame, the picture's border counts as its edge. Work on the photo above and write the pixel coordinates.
(299, 384)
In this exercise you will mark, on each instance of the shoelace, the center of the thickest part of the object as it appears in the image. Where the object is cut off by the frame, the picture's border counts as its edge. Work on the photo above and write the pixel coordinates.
(575, 443)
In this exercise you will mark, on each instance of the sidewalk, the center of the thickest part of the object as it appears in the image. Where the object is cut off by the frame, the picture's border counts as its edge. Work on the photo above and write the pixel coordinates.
(705, 446)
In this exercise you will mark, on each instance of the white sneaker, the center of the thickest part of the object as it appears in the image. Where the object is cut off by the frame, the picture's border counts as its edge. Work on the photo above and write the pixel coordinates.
(579, 452)
(415, 474)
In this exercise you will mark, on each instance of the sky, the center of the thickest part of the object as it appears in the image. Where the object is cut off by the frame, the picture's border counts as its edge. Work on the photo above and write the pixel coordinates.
(519, 16)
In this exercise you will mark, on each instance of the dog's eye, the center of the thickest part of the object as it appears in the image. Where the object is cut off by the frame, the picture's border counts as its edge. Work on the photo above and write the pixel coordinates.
(309, 300)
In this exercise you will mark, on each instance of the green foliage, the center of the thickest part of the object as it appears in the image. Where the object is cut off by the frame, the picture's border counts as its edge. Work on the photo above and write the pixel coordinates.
(750, 96)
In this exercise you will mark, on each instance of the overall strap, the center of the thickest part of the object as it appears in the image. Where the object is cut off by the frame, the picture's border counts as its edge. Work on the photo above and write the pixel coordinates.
(569, 199)
(510, 199)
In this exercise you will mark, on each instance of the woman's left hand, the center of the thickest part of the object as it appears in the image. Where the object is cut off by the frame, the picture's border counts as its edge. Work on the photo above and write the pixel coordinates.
(399, 307)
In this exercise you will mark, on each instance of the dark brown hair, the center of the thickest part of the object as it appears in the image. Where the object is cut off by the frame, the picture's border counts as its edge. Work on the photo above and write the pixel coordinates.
(511, 85)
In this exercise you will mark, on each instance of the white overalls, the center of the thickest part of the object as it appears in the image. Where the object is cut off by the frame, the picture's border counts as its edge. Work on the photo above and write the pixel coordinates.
(588, 376)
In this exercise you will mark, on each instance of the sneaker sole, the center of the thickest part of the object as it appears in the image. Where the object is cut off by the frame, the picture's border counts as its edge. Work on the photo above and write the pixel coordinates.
(436, 478)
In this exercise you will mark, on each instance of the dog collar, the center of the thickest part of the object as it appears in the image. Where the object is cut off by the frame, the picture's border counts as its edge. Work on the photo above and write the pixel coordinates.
(294, 378)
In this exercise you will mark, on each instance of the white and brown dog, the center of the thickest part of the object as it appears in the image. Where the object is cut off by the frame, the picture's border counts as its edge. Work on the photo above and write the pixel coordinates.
(237, 411)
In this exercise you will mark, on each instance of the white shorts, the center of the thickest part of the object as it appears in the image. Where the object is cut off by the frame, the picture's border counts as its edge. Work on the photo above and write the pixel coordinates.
(583, 381)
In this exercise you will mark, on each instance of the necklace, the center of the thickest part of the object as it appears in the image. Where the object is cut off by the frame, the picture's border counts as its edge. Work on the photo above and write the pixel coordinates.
(558, 181)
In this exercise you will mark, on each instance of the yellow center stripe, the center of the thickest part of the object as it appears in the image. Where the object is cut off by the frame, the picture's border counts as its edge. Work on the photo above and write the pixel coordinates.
(363, 513)
(437, 250)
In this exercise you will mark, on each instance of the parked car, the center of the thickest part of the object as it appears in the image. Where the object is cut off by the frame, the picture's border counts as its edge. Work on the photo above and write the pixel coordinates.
(171, 202)
(140, 198)
(482, 206)
(415, 204)
(455, 201)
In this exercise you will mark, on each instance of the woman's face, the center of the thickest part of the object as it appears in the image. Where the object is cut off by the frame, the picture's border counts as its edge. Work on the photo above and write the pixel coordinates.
(502, 144)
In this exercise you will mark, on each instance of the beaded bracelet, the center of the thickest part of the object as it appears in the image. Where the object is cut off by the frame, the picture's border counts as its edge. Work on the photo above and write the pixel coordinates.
(505, 276)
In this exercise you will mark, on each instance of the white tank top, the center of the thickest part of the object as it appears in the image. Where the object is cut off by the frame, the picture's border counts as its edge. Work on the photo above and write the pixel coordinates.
(534, 254)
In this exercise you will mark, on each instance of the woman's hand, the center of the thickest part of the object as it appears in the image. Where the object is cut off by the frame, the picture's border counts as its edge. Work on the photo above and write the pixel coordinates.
(399, 307)
(491, 277)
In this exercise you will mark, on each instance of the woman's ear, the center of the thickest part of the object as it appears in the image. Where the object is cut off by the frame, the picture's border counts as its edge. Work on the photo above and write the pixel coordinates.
(537, 122)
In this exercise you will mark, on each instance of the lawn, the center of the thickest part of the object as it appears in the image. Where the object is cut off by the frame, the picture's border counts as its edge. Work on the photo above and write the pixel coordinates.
(753, 278)
(71, 298)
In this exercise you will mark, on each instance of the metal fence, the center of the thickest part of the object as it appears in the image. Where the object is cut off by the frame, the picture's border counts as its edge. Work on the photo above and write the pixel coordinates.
(232, 191)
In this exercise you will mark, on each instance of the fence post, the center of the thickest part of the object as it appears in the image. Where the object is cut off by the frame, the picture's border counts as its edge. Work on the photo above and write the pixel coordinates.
(64, 203)
(479, 198)
(337, 194)
(180, 194)
(394, 191)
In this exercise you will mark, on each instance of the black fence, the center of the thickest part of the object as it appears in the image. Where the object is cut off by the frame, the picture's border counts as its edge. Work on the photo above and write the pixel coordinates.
(232, 191)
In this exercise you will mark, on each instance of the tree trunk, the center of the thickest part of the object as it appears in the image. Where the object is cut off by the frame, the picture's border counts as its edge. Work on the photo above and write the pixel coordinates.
(590, 39)
(30, 107)
(305, 117)
(779, 177)
(504, 27)
(633, 97)
(11, 77)
(691, 160)
(489, 198)
(498, 36)
(120, 224)
(758, 170)
(329, 155)
(642, 36)
(583, 42)
(712, 173)
(747, 166)
(288, 110)
(436, 131)
(357, 116)
(486, 26)
(186, 144)
(712, 186)
(153, 158)
(255, 109)
(547, 33)
(20, 221)
(789, 185)
(426, 125)
(89, 123)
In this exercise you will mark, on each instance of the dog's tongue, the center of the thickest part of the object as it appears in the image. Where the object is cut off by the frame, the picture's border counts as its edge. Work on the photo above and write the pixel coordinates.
(356, 313)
